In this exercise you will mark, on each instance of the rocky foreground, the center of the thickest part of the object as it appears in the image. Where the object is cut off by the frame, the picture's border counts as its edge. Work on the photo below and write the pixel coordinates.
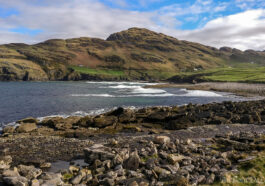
(189, 145)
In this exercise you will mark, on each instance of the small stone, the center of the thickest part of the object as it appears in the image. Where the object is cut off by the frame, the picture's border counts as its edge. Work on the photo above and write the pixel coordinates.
(210, 179)
(108, 182)
(162, 139)
(120, 172)
(247, 159)
(10, 173)
(160, 170)
(45, 165)
(111, 174)
(97, 163)
(173, 159)
(117, 160)
(29, 172)
(88, 178)
(188, 141)
(224, 155)
(171, 146)
(107, 164)
(35, 182)
(5, 162)
(172, 168)
(8, 130)
(73, 169)
(134, 174)
(150, 163)
(201, 178)
(176, 179)
(144, 184)
(100, 170)
(78, 178)
(118, 167)
(98, 151)
(86, 171)
(51, 179)
(134, 183)
(114, 142)
(17, 181)
(163, 154)
(132, 163)
(188, 168)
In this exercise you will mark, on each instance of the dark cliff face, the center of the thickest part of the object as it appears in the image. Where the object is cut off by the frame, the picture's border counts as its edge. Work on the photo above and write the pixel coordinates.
(139, 51)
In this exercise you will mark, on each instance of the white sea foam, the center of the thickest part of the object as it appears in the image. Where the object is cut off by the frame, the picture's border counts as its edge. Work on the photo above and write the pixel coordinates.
(92, 95)
(9, 124)
(52, 116)
(200, 93)
(121, 83)
(153, 95)
(77, 113)
(141, 90)
(143, 83)
(103, 82)
(138, 89)
(124, 87)
(124, 95)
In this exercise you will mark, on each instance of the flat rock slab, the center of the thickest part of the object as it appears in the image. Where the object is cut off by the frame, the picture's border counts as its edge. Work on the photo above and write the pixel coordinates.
(39, 149)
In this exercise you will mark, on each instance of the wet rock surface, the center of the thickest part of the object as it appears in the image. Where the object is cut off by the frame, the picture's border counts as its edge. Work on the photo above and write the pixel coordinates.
(153, 120)
(145, 161)
(135, 147)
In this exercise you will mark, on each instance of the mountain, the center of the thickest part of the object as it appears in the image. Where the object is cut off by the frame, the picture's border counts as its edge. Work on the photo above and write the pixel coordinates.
(134, 54)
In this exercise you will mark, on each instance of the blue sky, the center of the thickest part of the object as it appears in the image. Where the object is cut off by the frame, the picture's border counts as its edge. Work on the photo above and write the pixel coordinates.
(234, 23)
(186, 19)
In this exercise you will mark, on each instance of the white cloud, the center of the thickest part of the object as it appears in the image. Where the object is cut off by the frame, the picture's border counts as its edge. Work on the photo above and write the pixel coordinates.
(249, 4)
(76, 18)
(243, 30)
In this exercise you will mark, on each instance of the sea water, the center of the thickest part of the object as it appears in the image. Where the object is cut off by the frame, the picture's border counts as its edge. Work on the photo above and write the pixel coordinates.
(41, 99)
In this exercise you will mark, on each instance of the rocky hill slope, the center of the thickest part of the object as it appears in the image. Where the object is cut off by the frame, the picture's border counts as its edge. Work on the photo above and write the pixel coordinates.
(134, 54)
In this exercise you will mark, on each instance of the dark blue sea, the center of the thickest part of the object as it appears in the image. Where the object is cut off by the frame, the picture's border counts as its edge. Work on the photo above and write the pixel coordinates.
(40, 99)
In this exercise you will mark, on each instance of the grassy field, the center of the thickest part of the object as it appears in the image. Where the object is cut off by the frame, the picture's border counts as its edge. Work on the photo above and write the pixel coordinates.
(250, 74)
(237, 75)
(251, 173)
(129, 74)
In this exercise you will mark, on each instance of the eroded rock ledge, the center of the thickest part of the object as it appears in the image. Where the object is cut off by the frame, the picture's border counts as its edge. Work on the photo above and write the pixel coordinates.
(153, 119)
(146, 160)
(192, 144)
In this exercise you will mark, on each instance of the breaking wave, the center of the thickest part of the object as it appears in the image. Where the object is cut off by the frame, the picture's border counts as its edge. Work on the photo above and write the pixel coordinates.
(200, 93)
(92, 95)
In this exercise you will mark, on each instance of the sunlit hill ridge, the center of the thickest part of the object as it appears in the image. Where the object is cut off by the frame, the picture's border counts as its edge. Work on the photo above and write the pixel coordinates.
(134, 54)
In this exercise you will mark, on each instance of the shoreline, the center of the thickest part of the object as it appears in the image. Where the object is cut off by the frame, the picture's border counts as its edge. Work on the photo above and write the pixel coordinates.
(180, 145)
(237, 88)
(111, 92)
(240, 89)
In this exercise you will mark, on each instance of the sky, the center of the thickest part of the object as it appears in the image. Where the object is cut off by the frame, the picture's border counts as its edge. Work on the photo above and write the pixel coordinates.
(234, 23)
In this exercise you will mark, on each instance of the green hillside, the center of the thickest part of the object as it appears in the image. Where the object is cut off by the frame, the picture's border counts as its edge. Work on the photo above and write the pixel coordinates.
(134, 54)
